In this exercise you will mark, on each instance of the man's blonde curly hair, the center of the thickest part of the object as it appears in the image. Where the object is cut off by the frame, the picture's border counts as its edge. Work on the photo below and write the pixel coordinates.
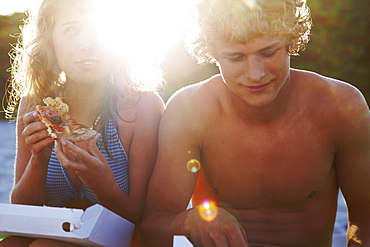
(242, 20)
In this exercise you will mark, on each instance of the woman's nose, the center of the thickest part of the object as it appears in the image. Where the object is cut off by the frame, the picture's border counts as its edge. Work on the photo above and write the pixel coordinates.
(89, 40)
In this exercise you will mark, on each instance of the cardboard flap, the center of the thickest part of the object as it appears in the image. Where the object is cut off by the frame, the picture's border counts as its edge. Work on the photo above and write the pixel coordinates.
(99, 222)
(38, 219)
(96, 226)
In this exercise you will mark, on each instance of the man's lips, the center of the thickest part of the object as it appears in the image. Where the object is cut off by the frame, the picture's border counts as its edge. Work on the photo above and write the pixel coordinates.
(260, 88)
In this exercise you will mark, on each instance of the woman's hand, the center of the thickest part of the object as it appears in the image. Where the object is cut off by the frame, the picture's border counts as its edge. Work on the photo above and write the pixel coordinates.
(37, 138)
(90, 164)
(34, 146)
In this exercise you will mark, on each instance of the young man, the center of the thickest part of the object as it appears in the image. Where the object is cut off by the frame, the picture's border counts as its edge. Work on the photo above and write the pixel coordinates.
(274, 144)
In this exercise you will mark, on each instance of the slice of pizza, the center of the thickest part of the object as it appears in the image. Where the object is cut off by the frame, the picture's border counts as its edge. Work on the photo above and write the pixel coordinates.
(60, 125)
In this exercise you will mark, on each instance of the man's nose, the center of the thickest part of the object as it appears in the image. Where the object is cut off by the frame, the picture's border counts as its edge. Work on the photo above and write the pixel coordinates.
(254, 69)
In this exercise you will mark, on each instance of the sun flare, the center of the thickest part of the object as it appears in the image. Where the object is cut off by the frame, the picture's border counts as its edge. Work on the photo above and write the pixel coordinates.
(142, 31)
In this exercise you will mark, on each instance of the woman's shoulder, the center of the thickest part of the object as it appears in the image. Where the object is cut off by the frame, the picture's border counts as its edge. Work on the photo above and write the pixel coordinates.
(150, 98)
(140, 104)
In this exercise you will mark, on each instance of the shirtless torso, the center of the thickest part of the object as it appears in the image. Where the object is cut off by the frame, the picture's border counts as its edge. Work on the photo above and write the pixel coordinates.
(278, 176)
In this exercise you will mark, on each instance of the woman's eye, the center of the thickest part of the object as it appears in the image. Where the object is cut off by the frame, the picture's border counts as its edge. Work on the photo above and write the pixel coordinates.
(70, 29)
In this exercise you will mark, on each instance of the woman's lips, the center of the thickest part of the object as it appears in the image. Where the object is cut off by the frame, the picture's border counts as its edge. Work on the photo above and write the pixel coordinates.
(87, 63)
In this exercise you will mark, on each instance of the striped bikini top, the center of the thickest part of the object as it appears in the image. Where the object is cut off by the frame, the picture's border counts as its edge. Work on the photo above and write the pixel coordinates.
(59, 186)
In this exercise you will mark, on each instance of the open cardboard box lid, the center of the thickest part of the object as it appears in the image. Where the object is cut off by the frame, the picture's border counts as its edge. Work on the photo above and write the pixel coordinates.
(96, 226)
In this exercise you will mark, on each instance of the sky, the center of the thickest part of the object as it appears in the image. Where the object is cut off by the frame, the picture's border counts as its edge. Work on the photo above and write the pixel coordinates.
(7, 7)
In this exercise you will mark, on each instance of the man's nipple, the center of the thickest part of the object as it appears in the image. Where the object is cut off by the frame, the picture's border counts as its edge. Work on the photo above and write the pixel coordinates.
(312, 194)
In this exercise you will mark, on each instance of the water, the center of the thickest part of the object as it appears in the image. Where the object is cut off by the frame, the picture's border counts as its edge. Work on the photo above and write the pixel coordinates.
(7, 155)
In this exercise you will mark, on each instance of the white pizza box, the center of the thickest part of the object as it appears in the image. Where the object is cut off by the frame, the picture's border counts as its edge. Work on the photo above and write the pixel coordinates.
(181, 241)
(96, 226)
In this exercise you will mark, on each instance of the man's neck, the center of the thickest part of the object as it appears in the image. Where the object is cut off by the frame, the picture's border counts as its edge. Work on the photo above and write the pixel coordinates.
(269, 112)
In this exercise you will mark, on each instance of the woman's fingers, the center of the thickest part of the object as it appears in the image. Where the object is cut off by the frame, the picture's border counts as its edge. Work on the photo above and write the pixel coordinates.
(92, 148)
(32, 125)
(66, 157)
(35, 135)
(30, 117)
(74, 157)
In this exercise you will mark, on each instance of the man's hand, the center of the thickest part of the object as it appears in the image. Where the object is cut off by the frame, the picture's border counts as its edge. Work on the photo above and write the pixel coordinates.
(224, 230)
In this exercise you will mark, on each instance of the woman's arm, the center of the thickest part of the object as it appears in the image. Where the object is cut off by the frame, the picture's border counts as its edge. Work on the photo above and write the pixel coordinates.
(33, 150)
(140, 140)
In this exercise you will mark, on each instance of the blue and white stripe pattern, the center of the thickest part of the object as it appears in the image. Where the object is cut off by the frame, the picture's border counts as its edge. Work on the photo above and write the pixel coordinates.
(59, 187)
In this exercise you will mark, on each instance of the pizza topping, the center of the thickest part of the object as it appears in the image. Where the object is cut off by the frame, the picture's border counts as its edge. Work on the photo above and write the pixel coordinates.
(56, 118)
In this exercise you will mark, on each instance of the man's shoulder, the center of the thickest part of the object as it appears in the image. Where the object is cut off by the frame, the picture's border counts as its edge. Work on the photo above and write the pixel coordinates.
(330, 96)
(197, 94)
(194, 106)
(325, 86)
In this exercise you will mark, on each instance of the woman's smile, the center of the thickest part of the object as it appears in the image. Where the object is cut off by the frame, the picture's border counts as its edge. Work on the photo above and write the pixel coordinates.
(87, 64)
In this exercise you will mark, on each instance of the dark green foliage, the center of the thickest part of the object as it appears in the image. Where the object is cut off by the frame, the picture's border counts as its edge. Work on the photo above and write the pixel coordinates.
(339, 48)
(339, 45)
(9, 29)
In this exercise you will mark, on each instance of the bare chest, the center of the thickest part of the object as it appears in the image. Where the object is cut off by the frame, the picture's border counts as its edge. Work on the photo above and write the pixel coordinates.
(282, 164)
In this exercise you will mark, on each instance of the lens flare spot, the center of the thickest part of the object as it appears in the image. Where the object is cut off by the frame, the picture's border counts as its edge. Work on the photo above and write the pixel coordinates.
(208, 210)
(193, 165)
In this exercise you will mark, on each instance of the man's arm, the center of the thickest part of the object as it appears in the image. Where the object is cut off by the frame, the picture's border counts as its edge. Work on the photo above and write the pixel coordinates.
(171, 185)
(353, 167)
(181, 139)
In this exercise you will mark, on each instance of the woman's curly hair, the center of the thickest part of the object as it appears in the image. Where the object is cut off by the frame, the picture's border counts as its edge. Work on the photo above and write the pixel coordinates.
(35, 72)
(242, 20)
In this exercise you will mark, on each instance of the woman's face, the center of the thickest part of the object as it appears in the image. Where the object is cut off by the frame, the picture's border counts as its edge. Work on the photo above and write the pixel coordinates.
(79, 47)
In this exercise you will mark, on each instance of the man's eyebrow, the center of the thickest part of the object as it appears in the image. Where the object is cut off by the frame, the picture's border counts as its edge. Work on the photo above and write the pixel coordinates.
(231, 53)
(237, 53)
(273, 45)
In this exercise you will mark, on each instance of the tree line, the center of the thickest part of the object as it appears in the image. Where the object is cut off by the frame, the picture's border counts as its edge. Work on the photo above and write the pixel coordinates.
(339, 48)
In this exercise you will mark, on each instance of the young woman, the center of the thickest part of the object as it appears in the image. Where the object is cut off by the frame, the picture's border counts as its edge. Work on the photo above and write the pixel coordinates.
(69, 57)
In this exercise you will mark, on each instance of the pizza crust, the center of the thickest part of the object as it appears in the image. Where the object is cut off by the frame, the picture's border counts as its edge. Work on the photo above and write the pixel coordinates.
(59, 124)
(77, 136)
